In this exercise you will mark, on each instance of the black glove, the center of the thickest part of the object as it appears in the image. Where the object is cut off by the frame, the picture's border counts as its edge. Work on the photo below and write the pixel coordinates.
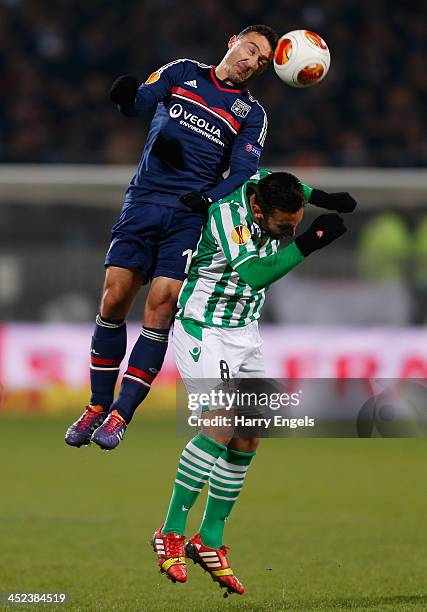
(123, 93)
(341, 201)
(324, 230)
(197, 201)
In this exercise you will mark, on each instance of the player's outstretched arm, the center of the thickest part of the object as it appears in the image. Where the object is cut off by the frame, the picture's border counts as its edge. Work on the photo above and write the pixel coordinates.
(244, 161)
(132, 99)
(259, 272)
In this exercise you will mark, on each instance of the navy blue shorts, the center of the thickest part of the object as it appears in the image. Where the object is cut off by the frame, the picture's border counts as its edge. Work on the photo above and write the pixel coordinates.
(156, 240)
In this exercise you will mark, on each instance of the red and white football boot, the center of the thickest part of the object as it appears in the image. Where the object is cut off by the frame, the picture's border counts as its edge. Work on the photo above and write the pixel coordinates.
(169, 548)
(214, 561)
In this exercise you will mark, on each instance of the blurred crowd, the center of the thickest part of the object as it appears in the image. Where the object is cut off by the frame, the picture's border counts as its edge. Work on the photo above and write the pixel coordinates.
(59, 59)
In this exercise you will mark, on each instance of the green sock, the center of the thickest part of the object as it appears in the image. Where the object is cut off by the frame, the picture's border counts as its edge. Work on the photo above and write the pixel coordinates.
(195, 465)
(225, 483)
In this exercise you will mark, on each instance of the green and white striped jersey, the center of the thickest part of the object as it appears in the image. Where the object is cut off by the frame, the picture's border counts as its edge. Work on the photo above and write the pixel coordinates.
(214, 293)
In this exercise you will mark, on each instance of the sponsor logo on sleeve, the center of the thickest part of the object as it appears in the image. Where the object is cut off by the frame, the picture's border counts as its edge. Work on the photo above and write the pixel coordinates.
(154, 76)
(250, 148)
(240, 108)
(240, 234)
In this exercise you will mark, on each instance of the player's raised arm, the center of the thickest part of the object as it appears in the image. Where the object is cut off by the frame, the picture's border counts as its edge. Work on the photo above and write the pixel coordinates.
(277, 205)
(132, 100)
(243, 255)
(244, 161)
(245, 155)
(259, 272)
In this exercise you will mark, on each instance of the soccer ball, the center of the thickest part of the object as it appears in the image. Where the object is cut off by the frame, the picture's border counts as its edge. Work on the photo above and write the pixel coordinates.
(301, 58)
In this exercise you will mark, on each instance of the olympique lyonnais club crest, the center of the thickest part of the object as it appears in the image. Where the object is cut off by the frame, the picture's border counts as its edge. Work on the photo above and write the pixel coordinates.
(240, 108)
(240, 234)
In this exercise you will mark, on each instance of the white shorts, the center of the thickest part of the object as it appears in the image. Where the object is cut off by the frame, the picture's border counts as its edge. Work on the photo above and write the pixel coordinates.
(223, 353)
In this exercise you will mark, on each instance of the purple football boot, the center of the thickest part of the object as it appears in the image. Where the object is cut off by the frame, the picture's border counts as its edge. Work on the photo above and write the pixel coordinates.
(79, 433)
(111, 432)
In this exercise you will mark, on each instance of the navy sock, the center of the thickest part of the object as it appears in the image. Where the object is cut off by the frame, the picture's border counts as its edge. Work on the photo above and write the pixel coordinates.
(144, 364)
(106, 353)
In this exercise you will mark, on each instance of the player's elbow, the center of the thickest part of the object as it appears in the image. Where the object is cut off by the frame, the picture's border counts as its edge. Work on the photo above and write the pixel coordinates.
(256, 284)
(253, 280)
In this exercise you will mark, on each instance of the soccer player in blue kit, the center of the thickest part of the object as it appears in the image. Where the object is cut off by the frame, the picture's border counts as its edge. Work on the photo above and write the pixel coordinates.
(206, 123)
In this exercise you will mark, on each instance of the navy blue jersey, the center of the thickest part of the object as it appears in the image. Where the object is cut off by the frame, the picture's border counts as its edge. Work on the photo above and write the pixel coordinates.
(202, 127)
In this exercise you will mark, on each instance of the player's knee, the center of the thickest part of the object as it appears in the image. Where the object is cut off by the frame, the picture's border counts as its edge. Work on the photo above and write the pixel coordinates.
(160, 310)
(246, 445)
(160, 316)
(165, 303)
(114, 303)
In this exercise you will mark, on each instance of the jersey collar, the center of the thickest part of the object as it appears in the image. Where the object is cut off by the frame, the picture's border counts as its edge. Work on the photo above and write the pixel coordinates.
(222, 86)
(256, 229)
(245, 200)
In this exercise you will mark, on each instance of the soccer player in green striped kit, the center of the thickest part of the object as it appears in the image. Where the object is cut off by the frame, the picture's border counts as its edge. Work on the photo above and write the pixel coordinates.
(216, 337)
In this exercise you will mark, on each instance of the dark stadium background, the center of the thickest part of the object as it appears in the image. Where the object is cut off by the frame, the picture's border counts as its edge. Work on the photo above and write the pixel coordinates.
(323, 524)
(58, 61)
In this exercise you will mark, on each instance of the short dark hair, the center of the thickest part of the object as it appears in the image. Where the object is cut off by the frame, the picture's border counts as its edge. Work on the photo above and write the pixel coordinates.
(270, 34)
(278, 190)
